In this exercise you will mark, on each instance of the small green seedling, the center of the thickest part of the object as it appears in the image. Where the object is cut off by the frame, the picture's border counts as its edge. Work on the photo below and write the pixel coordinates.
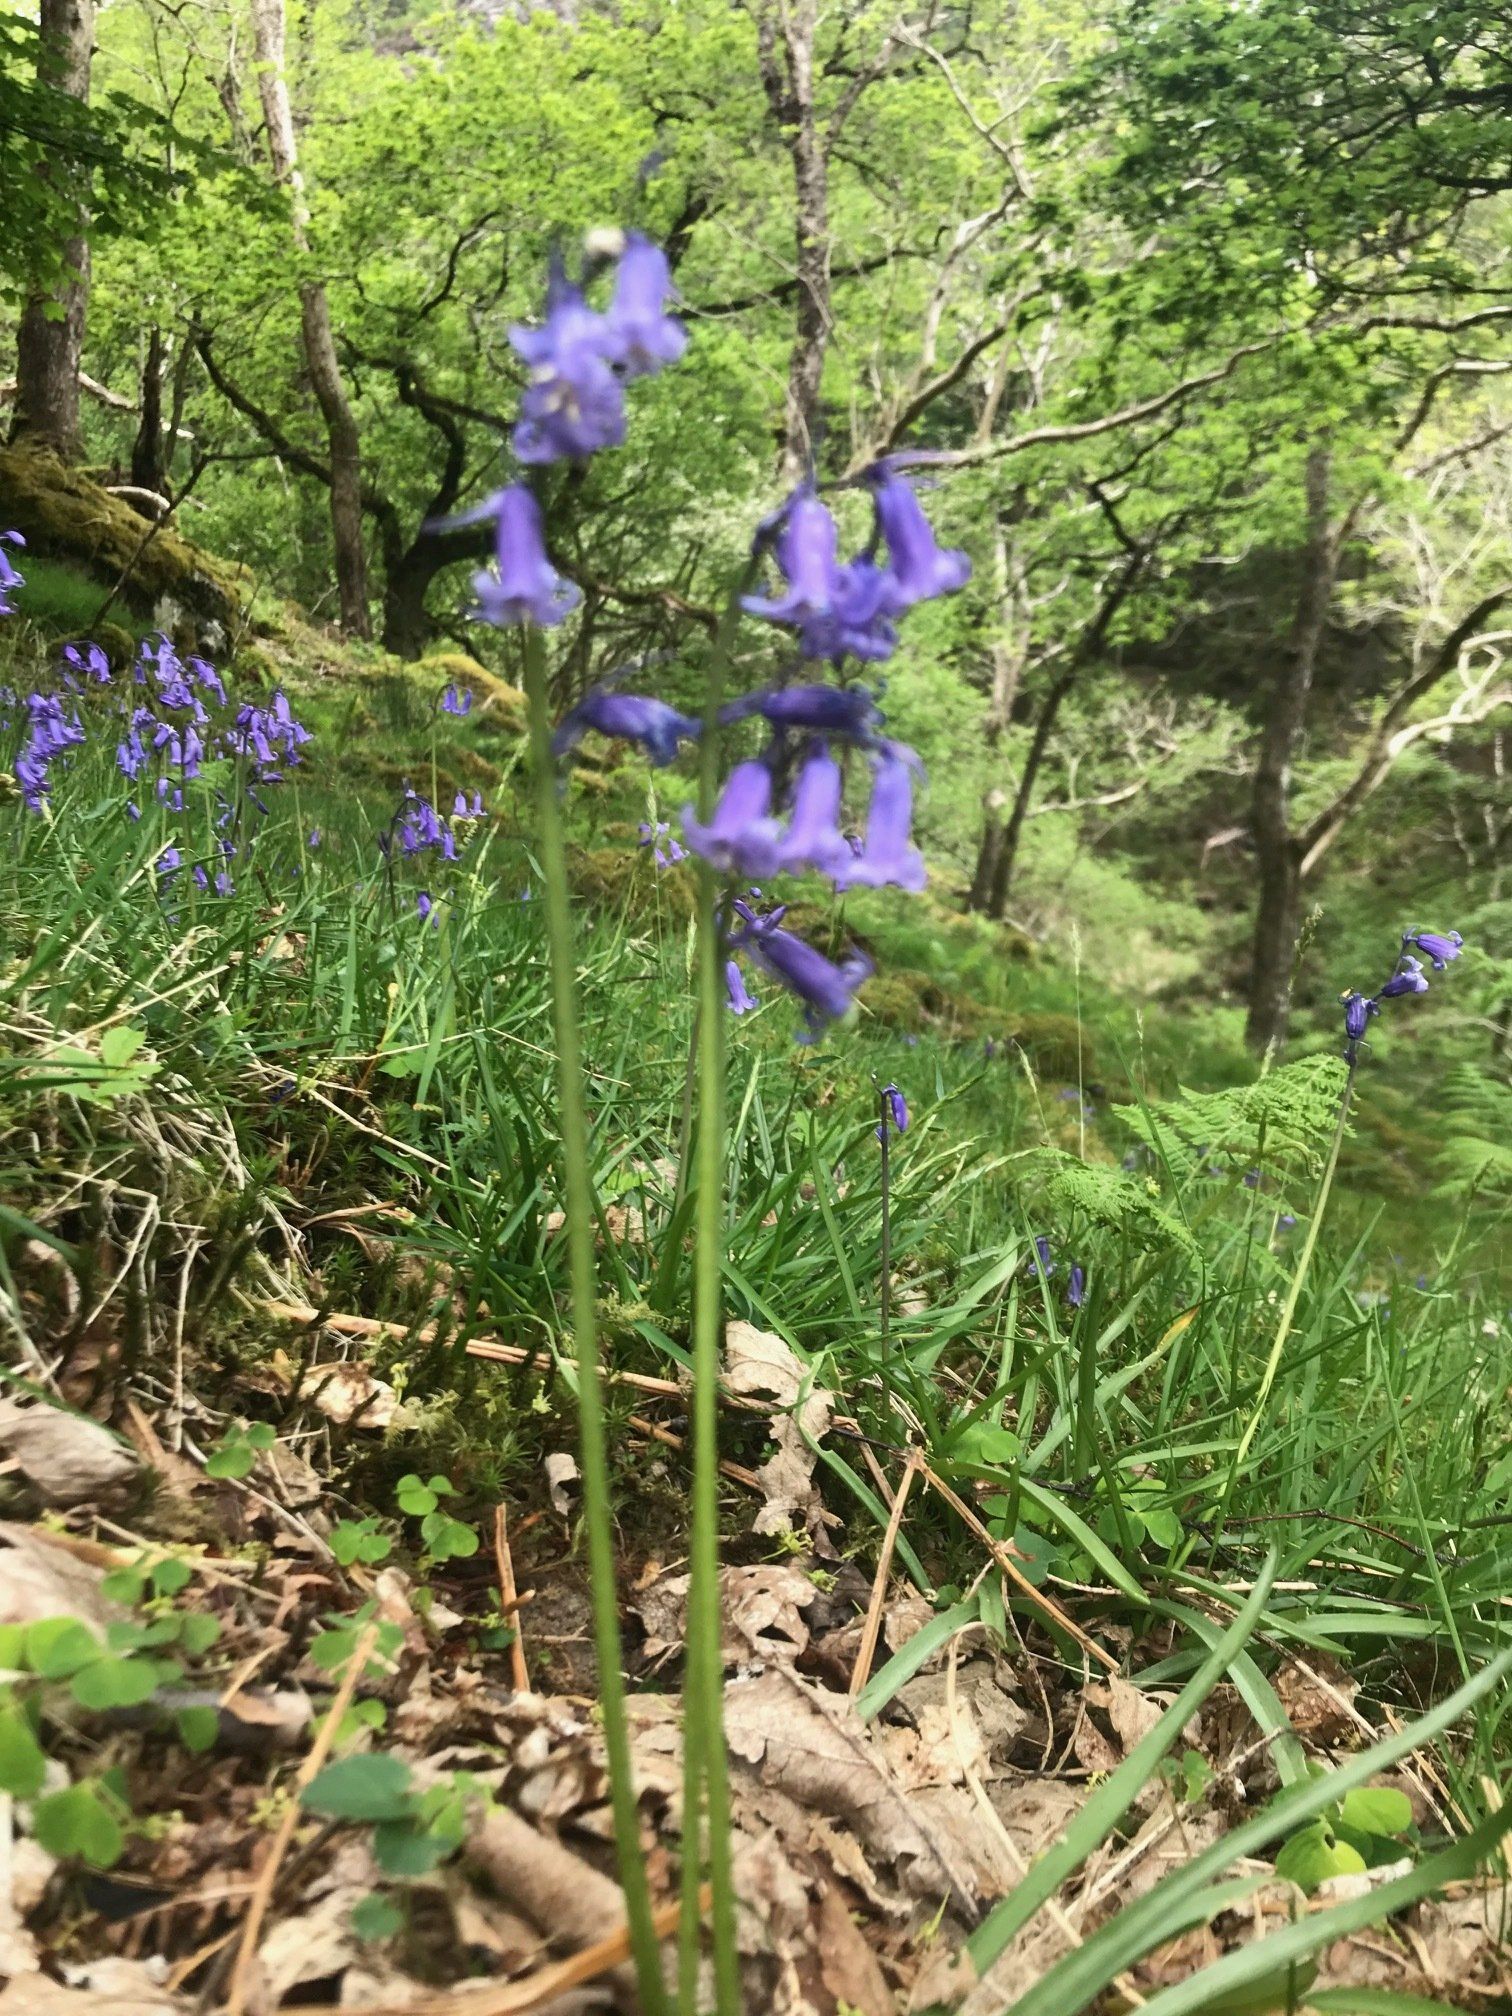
(446, 1539)
(1363, 1831)
(235, 1455)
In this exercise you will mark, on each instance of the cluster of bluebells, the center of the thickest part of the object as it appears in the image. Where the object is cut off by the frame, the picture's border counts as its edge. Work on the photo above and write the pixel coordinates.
(171, 727)
(780, 811)
(1439, 948)
(418, 829)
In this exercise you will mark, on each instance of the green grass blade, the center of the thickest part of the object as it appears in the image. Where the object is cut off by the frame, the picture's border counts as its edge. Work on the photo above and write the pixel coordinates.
(1112, 1799)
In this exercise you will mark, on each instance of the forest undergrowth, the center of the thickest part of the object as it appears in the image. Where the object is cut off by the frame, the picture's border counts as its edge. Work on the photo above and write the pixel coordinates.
(1002, 1287)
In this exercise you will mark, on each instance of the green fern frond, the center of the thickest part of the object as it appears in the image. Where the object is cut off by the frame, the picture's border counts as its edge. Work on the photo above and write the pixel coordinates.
(1056, 1186)
(1287, 1118)
(1476, 1116)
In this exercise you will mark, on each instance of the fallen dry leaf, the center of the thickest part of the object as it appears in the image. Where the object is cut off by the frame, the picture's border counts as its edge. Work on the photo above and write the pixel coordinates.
(561, 1470)
(35, 1995)
(347, 1391)
(759, 1364)
(847, 1964)
(66, 1458)
(811, 1744)
(1132, 1713)
(39, 1578)
(761, 1613)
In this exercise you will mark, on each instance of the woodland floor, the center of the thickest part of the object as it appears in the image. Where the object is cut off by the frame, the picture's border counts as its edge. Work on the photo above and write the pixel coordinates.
(868, 1844)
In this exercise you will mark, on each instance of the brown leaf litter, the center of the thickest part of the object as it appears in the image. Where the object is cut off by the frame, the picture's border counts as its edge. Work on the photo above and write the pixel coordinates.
(864, 1851)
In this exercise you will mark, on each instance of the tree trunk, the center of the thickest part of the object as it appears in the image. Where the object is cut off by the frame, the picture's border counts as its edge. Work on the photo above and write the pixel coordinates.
(789, 83)
(1277, 852)
(147, 467)
(407, 624)
(988, 850)
(1002, 872)
(49, 347)
(315, 320)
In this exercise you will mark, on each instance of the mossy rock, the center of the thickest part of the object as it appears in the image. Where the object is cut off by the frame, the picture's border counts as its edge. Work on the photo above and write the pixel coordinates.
(64, 515)
(119, 645)
(252, 666)
(625, 880)
(503, 704)
(1056, 1045)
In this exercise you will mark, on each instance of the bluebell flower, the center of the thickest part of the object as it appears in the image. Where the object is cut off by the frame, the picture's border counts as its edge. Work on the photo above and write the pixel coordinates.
(1076, 1287)
(847, 711)
(574, 404)
(31, 780)
(812, 837)
(419, 829)
(742, 837)
(464, 807)
(314, 839)
(889, 856)
(640, 335)
(224, 886)
(169, 861)
(457, 700)
(807, 549)
(1286, 1222)
(633, 717)
(270, 736)
(896, 1113)
(740, 996)
(49, 732)
(209, 679)
(11, 578)
(1358, 1009)
(825, 988)
(1409, 978)
(201, 878)
(426, 909)
(89, 661)
(664, 850)
(1042, 1264)
(1439, 946)
(917, 567)
(525, 587)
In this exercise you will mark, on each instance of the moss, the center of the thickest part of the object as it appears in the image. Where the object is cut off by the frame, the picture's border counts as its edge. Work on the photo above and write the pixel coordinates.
(905, 998)
(501, 705)
(252, 666)
(119, 645)
(623, 879)
(65, 516)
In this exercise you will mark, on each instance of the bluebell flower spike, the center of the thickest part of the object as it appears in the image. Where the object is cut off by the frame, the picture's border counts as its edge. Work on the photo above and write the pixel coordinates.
(741, 837)
(1440, 947)
(631, 717)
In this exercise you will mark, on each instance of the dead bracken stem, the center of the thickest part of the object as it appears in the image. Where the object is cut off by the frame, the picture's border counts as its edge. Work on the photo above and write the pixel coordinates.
(320, 1749)
(509, 1602)
(864, 1657)
(517, 1998)
(1003, 1555)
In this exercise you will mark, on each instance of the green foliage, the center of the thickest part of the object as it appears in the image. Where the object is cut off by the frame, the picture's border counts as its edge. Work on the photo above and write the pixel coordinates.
(235, 1455)
(1057, 1186)
(445, 1538)
(1282, 1122)
(1359, 1833)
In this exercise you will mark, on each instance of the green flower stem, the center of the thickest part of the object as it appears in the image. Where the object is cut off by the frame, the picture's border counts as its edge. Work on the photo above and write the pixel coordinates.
(703, 1708)
(884, 1132)
(580, 1229)
(1289, 1307)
